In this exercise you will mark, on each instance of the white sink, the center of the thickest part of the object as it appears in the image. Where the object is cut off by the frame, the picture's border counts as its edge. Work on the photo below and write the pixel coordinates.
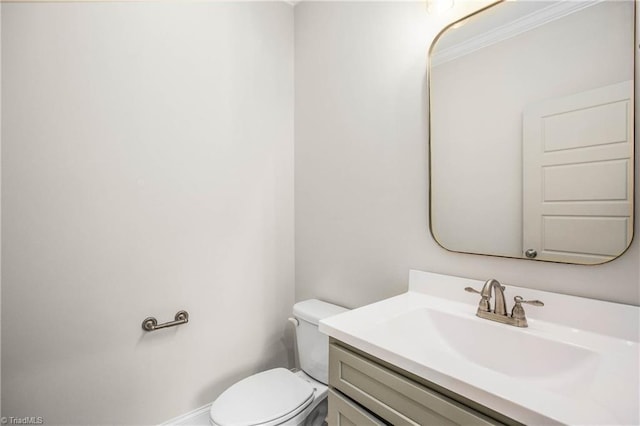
(494, 346)
(576, 363)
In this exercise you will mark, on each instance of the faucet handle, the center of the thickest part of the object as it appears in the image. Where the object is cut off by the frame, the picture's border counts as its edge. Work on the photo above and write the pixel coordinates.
(484, 302)
(519, 299)
(473, 290)
(517, 312)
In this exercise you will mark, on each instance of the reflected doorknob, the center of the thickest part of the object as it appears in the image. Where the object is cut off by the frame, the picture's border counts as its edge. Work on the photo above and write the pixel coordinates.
(531, 253)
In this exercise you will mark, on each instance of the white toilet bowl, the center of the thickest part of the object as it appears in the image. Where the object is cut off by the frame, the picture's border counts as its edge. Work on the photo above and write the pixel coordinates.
(279, 396)
(273, 397)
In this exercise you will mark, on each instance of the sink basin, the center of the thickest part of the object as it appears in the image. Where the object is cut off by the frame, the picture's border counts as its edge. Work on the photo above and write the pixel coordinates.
(576, 363)
(498, 347)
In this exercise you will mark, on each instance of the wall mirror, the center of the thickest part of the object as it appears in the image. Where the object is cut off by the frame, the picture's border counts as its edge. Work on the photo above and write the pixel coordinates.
(531, 131)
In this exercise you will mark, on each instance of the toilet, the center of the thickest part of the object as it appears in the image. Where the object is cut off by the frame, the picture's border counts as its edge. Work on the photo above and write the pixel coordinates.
(280, 396)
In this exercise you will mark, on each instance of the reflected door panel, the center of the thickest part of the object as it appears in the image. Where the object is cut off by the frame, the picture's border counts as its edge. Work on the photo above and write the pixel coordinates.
(577, 179)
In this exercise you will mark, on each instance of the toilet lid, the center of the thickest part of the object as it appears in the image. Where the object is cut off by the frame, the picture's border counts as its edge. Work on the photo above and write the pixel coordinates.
(262, 398)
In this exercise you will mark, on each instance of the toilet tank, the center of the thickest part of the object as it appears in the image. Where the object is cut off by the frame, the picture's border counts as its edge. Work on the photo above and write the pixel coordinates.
(313, 346)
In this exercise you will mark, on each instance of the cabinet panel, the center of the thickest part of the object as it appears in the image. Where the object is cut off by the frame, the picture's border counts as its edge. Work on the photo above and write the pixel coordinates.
(395, 398)
(343, 412)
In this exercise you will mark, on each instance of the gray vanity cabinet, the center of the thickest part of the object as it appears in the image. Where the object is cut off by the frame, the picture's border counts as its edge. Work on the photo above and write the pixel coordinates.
(367, 391)
(345, 412)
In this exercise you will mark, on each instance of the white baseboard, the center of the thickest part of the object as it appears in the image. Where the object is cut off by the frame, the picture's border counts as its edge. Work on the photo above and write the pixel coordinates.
(197, 417)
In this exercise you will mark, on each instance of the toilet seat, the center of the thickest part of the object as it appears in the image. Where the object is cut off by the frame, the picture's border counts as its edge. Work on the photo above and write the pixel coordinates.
(268, 398)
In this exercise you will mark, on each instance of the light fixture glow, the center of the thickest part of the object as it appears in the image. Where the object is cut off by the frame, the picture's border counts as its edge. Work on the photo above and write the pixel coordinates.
(439, 6)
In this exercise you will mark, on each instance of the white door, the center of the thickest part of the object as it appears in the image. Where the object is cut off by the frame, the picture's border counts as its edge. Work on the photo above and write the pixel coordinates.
(578, 176)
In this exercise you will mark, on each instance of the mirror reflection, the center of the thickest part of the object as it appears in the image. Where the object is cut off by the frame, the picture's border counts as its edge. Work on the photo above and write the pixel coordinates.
(531, 131)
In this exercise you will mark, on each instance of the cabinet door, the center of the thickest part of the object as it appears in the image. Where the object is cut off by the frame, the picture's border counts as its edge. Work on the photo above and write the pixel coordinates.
(343, 412)
(393, 397)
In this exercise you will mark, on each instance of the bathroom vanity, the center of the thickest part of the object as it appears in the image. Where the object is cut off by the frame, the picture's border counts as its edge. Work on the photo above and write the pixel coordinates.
(362, 384)
(425, 357)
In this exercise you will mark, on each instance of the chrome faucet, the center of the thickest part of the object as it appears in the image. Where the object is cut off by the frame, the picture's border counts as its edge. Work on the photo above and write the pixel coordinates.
(499, 311)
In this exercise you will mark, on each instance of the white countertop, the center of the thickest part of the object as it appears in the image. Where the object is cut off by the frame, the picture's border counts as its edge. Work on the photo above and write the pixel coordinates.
(576, 363)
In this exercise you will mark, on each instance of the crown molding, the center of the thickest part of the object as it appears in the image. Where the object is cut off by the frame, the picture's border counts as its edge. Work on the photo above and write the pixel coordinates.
(511, 29)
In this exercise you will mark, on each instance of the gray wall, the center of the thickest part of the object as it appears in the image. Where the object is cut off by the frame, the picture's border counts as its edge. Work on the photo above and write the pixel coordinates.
(147, 167)
(361, 195)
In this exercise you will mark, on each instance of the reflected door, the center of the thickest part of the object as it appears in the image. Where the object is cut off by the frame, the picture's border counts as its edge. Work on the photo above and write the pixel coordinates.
(577, 176)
